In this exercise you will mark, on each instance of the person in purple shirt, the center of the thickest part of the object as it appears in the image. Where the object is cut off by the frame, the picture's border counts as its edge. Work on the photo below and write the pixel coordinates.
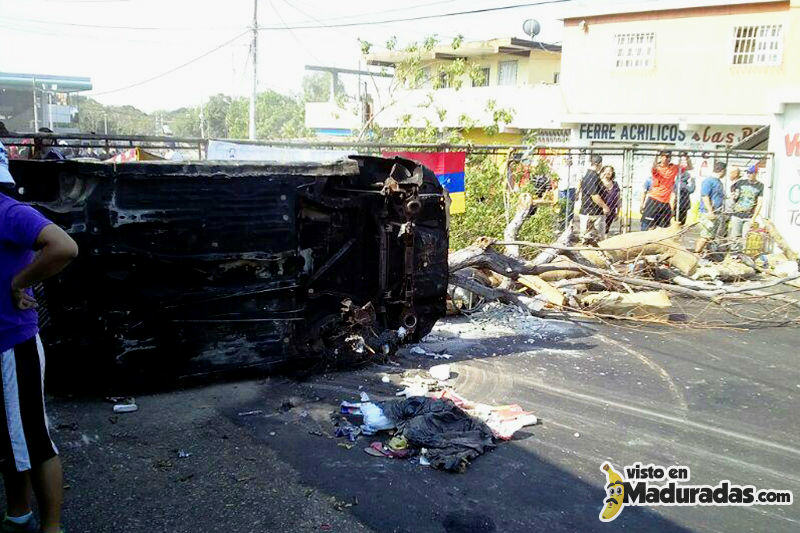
(32, 249)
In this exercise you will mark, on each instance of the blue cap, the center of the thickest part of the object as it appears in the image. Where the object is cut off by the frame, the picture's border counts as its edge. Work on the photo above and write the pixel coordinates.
(5, 175)
(752, 169)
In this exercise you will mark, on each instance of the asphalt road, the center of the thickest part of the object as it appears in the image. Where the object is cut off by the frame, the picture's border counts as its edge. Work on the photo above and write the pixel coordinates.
(724, 403)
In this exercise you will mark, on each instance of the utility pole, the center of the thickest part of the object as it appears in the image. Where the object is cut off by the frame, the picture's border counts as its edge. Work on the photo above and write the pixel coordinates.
(35, 108)
(254, 49)
(202, 119)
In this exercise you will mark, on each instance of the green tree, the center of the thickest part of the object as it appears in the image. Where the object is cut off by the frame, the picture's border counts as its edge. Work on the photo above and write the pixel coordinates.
(121, 120)
(216, 115)
(277, 117)
(184, 122)
(317, 87)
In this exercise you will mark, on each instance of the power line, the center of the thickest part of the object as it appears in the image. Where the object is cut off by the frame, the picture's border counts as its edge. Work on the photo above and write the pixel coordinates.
(198, 58)
(292, 33)
(321, 24)
(415, 18)
(106, 27)
(393, 10)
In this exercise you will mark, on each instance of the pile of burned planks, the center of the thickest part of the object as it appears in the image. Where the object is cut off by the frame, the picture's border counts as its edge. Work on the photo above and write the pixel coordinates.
(635, 276)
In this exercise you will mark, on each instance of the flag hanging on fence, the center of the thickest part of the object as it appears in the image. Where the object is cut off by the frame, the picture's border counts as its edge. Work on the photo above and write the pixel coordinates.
(449, 169)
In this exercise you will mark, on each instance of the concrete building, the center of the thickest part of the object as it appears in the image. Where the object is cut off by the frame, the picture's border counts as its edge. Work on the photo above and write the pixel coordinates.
(517, 75)
(31, 101)
(698, 74)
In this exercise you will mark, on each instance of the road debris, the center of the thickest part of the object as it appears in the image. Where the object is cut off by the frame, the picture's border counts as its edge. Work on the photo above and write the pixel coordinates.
(251, 413)
(643, 276)
(127, 406)
(433, 420)
(440, 372)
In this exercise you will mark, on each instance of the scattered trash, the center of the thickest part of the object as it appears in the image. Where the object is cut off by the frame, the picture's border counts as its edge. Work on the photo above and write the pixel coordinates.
(398, 443)
(346, 429)
(348, 408)
(786, 269)
(421, 351)
(385, 379)
(374, 419)
(118, 399)
(576, 435)
(440, 372)
(271, 433)
(129, 407)
(251, 413)
(378, 449)
(451, 436)
(345, 445)
(447, 429)
(183, 454)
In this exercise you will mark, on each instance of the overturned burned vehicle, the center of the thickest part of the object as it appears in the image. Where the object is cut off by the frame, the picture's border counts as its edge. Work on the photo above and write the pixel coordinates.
(194, 268)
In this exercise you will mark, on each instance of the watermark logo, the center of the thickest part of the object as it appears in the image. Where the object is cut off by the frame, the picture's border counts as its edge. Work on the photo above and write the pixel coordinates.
(652, 485)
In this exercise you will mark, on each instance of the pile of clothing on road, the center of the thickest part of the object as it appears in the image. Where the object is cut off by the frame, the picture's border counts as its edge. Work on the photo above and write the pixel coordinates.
(445, 429)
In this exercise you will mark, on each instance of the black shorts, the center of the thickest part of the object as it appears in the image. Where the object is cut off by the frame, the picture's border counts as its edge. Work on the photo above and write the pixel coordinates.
(25, 436)
(683, 210)
(656, 214)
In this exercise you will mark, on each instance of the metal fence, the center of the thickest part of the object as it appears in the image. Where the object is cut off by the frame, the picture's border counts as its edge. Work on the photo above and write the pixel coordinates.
(632, 164)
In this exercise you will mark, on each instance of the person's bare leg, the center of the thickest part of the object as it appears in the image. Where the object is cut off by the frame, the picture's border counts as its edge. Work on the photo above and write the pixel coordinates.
(18, 493)
(48, 482)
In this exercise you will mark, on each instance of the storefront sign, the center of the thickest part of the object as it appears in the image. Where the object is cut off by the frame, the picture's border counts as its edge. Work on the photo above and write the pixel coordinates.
(663, 133)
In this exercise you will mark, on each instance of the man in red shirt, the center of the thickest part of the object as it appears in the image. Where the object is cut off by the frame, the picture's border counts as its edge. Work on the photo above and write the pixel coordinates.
(657, 210)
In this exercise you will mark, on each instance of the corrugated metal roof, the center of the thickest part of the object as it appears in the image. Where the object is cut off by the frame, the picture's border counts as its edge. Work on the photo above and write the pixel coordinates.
(604, 8)
(49, 82)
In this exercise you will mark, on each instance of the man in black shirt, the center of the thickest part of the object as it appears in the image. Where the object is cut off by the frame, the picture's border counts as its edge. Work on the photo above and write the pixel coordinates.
(748, 195)
(593, 209)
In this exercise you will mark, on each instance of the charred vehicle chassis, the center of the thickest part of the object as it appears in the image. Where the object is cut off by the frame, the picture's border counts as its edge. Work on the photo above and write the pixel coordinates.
(193, 268)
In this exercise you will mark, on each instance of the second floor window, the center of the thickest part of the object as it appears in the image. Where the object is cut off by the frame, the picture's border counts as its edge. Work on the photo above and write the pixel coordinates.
(758, 45)
(635, 50)
(482, 80)
(507, 73)
(444, 80)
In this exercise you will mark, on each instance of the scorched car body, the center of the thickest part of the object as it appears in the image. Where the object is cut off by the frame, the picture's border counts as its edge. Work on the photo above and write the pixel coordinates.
(200, 267)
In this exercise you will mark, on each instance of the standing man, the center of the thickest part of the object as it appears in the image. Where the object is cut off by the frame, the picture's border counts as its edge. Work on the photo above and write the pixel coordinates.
(657, 210)
(32, 249)
(593, 209)
(712, 197)
(748, 195)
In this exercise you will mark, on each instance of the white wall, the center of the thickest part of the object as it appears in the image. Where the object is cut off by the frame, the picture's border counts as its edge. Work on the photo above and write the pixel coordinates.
(786, 207)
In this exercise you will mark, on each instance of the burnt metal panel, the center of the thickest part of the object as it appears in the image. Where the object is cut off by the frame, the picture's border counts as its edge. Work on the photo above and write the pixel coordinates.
(192, 268)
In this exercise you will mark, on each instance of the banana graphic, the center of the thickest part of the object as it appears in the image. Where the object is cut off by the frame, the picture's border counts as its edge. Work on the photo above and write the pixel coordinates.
(615, 489)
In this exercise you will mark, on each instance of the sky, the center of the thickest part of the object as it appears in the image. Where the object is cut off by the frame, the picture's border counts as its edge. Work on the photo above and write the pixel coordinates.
(121, 44)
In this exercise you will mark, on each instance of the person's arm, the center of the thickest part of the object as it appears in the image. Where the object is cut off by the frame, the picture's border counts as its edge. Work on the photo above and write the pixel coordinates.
(757, 210)
(709, 207)
(690, 185)
(56, 250)
(673, 203)
(647, 185)
(597, 199)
